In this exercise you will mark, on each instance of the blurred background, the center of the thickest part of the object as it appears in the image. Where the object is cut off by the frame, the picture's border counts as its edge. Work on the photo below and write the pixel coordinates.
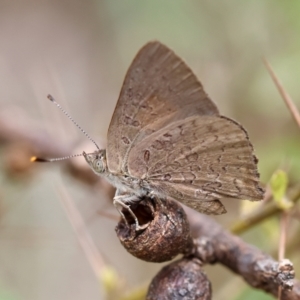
(79, 52)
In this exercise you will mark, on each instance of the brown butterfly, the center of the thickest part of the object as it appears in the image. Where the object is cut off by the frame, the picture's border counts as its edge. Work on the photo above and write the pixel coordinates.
(167, 139)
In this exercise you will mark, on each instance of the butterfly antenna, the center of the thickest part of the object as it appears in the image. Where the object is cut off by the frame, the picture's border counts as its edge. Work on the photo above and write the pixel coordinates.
(76, 124)
(40, 159)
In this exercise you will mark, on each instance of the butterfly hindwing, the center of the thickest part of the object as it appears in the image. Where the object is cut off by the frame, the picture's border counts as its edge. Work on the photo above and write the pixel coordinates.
(200, 158)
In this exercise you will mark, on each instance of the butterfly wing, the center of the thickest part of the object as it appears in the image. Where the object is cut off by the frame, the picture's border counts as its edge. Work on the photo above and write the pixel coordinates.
(198, 159)
(159, 88)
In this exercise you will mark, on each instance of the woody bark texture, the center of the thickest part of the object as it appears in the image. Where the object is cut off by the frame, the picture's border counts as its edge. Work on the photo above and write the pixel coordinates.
(215, 245)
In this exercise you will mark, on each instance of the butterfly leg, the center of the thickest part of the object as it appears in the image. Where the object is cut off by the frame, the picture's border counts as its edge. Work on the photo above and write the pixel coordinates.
(122, 200)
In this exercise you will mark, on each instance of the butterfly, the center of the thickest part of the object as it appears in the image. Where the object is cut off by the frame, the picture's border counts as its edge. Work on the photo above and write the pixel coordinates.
(166, 139)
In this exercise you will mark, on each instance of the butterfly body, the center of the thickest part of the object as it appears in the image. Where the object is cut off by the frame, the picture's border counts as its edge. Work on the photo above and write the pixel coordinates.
(124, 183)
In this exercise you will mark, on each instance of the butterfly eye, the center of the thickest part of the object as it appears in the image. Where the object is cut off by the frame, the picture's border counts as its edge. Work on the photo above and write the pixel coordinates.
(98, 165)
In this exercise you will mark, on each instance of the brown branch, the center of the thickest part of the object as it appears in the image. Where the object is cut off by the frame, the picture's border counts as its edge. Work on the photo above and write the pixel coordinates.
(17, 127)
(162, 240)
(216, 245)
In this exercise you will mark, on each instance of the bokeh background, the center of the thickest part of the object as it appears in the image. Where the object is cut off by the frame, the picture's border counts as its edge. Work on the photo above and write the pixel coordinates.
(79, 52)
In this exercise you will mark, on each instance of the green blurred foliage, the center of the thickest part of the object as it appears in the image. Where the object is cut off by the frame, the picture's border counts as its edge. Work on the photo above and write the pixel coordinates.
(279, 184)
(7, 295)
(250, 294)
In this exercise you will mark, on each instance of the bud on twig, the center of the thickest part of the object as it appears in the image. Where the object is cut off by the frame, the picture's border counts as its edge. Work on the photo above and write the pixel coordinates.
(183, 279)
(167, 233)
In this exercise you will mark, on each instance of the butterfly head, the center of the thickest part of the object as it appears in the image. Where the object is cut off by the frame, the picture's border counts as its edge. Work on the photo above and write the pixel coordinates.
(97, 161)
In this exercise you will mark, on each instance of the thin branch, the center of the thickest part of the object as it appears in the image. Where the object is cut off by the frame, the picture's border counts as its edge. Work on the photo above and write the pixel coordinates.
(93, 255)
(271, 209)
(282, 241)
(284, 94)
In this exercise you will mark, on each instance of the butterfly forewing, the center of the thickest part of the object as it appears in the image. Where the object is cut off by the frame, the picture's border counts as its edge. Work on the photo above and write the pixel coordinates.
(200, 158)
(158, 89)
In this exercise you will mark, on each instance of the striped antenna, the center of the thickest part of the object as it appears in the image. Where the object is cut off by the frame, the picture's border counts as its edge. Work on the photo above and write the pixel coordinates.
(40, 159)
(74, 122)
